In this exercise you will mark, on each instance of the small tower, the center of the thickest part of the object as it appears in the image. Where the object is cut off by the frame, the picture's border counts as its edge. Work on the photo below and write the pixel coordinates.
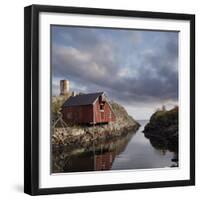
(64, 87)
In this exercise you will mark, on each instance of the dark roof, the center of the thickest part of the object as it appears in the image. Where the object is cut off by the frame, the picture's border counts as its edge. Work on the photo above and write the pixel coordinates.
(82, 99)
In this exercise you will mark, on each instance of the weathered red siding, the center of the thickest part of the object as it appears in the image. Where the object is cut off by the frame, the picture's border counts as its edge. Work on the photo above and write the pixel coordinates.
(78, 114)
(104, 116)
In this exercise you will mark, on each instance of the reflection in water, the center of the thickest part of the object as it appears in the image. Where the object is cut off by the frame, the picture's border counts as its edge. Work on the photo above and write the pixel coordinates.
(132, 151)
(98, 157)
(164, 145)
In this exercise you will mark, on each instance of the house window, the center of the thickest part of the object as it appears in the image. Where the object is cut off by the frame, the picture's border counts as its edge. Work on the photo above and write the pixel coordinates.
(101, 107)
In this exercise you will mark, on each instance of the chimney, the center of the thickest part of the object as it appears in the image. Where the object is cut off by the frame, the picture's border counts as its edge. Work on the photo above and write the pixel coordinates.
(64, 87)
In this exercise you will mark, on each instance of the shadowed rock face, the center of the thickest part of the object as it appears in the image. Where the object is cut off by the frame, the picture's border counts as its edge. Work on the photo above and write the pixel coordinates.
(162, 130)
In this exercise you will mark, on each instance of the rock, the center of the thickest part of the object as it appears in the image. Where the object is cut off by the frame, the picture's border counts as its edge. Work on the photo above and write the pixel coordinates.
(162, 130)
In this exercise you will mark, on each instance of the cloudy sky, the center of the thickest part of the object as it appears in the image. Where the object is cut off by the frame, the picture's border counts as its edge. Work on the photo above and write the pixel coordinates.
(136, 68)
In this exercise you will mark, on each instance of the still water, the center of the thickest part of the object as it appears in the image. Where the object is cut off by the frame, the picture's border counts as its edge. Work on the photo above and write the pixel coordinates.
(133, 151)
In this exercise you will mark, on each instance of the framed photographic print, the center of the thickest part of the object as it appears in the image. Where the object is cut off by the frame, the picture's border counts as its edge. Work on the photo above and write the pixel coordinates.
(109, 100)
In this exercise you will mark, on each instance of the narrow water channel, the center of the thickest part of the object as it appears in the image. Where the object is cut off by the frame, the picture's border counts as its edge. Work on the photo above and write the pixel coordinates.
(140, 154)
(133, 151)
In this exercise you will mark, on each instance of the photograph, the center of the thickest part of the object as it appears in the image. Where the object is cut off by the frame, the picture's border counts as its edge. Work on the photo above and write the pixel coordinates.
(109, 99)
(114, 99)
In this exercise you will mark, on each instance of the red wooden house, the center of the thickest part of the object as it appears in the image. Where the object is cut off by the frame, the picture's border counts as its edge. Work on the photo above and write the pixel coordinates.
(90, 108)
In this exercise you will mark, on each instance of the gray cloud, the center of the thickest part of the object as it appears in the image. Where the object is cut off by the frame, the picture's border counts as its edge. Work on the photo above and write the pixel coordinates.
(96, 60)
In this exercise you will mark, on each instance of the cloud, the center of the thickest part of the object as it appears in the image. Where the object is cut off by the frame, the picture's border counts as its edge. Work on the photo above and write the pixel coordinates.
(131, 66)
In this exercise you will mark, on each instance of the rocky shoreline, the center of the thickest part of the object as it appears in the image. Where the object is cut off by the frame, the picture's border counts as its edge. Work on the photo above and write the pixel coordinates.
(84, 136)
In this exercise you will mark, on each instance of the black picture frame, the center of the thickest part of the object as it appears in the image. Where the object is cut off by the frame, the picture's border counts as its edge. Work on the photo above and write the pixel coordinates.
(31, 98)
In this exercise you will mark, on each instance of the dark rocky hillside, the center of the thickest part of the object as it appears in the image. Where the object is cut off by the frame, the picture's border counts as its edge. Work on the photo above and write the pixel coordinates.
(162, 129)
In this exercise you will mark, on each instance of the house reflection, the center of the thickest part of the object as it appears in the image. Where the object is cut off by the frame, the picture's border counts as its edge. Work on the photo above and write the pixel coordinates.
(104, 162)
(99, 157)
(88, 163)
